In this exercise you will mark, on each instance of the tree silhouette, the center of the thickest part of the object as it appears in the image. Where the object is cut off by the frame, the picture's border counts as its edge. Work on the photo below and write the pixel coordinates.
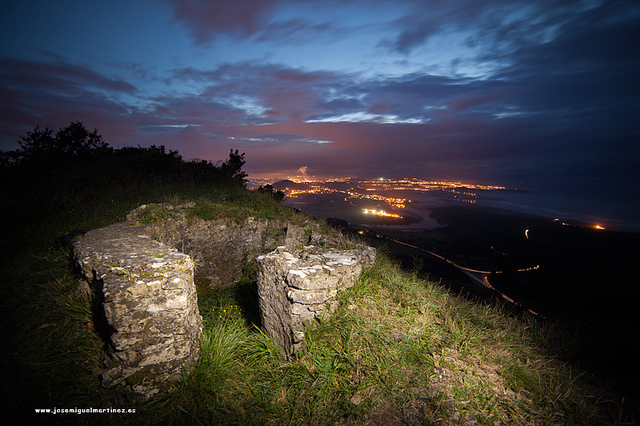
(232, 167)
(71, 141)
(73, 157)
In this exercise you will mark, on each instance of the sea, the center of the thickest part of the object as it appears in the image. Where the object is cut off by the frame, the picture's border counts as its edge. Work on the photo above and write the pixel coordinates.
(610, 213)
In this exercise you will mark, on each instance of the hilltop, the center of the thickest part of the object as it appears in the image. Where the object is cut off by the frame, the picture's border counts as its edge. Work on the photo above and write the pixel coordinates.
(399, 349)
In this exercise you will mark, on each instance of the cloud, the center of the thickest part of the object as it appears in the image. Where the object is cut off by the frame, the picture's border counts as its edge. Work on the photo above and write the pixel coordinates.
(584, 81)
(266, 93)
(57, 75)
(207, 19)
(560, 98)
(296, 31)
(494, 21)
(54, 93)
(357, 117)
(284, 21)
(418, 124)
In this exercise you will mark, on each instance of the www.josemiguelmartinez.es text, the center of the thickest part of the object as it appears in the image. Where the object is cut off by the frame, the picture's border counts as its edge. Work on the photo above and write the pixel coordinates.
(77, 410)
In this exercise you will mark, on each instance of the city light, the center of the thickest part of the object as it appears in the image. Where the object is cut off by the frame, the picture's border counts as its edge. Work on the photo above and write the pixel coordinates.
(381, 213)
(375, 189)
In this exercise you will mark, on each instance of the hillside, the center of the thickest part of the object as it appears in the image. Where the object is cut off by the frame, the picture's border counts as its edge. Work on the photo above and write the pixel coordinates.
(399, 349)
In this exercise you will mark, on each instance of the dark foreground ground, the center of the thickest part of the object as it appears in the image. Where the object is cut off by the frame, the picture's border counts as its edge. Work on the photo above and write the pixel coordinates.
(572, 273)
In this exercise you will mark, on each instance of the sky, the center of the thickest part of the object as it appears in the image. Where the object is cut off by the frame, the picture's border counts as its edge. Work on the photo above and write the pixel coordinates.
(527, 94)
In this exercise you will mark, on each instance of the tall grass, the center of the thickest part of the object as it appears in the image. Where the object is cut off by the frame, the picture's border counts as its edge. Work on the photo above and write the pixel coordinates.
(398, 350)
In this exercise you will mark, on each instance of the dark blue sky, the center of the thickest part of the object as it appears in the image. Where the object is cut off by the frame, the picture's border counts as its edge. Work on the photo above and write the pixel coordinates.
(519, 93)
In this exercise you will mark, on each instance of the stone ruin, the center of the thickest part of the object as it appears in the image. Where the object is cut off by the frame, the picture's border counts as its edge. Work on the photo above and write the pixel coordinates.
(219, 247)
(296, 286)
(148, 311)
(143, 277)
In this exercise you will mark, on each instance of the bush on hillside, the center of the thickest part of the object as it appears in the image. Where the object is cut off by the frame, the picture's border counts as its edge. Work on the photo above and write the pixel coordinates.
(74, 156)
(232, 167)
(43, 146)
(53, 174)
(268, 189)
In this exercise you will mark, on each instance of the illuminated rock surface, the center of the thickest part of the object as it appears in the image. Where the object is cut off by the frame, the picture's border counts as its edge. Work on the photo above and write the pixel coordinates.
(147, 310)
(220, 247)
(148, 313)
(297, 285)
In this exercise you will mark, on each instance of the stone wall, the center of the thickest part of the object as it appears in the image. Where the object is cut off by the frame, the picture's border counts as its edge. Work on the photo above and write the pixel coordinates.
(143, 276)
(148, 312)
(221, 246)
(297, 285)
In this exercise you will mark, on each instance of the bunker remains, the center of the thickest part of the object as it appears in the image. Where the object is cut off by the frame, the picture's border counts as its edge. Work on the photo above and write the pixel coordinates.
(148, 311)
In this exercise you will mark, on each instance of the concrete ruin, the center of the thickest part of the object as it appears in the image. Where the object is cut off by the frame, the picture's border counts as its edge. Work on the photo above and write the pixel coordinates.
(143, 277)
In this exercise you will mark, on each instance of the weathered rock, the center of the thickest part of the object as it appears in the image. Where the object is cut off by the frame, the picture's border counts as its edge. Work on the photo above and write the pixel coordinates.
(221, 246)
(298, 235)
(296, 286)
(149, 303)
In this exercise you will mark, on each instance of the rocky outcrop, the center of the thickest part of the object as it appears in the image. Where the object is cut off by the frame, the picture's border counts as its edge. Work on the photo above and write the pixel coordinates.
(297, 285)
(148, 313)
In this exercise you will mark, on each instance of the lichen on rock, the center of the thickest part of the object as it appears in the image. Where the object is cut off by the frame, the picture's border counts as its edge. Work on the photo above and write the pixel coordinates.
(219, 246)
(142, 272)
(297, 285)
(148, 303)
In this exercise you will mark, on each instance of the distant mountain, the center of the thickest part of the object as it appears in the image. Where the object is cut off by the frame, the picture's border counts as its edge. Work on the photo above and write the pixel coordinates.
(284, 184)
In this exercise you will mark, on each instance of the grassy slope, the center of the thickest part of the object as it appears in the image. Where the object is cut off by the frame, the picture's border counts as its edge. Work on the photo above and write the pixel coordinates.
(398, 350)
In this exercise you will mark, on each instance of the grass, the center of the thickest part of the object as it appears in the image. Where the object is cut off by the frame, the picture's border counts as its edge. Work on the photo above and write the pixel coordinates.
(239, 209)
(399, 349)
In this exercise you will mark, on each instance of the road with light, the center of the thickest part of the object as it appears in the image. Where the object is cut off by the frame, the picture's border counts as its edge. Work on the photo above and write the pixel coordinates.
(477, 277)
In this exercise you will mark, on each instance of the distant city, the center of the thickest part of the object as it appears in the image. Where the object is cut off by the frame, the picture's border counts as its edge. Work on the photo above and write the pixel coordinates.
(380, 190)
(408, 201)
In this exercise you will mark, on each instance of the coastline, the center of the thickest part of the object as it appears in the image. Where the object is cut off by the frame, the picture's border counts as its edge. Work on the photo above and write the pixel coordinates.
(611, 213)
(608, 208)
